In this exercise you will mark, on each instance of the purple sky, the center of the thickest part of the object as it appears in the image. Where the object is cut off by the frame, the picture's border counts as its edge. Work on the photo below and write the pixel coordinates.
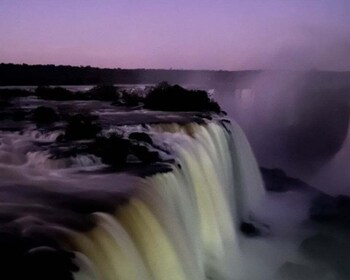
(186, 34)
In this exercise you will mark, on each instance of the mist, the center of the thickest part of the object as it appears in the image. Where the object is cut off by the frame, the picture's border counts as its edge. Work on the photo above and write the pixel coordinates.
(295, 120)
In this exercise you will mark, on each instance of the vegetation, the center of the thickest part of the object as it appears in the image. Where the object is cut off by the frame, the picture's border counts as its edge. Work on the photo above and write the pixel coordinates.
(165, 97)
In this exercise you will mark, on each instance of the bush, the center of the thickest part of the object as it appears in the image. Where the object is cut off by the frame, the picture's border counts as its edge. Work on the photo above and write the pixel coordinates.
(165, 97)
(104, 93)
(44, 115)
(8, 94)
(54, 93)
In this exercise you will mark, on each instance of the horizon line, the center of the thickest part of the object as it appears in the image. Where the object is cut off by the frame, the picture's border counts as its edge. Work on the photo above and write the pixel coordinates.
(178, 69)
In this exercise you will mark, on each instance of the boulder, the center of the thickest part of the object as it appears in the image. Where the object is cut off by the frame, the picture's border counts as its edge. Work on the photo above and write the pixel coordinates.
(325, 208)
(141, 137)
(112, 150)
(250, 230)
(276, 180)
(81, 127)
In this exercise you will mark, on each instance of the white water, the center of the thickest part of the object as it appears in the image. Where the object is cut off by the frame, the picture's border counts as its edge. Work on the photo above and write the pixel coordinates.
(181, 224)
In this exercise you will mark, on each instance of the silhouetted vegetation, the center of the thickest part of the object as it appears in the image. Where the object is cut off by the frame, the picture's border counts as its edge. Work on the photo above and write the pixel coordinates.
(131, 99)
(44, 115)
(165, 97)
(23, 74)
(7, 94)
(54, 93)
(103, 93)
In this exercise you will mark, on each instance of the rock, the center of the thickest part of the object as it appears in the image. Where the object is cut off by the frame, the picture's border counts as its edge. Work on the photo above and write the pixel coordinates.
(43, 263)
(249, 229)
(293, 271)
(343, 207)
(44, 115)
(329, 251)
(141, 137)
(144, 154)
(112, 150)
(323, 208)
(276, 180)
(81, 127)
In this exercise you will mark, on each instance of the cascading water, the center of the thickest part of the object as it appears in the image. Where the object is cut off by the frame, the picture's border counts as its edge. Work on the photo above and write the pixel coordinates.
(180, 224)
(171, 210)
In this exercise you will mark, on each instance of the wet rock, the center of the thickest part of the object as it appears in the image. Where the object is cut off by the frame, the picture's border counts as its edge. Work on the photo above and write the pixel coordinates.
(44, 115)
(293, 271)
(249, 229)
(144, 154)
(112, 150)
(44, 263)
(329, 251)
(7, 94)
(323, 208)
(343, 207)
(141, 137)
(276, 180)
(82, 127)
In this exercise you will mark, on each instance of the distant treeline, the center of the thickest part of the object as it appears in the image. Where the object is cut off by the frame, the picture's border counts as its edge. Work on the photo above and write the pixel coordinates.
(23, 74)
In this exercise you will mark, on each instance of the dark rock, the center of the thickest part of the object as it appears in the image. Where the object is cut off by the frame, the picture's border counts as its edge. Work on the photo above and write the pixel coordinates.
(82, 127)
(323, 208)
(141, 137)
(276, 180)
(321, 247)
(293, 271)
(249, 229)
(343, 207)
(44, 115)
(44, 263)
(144, 154)
(112, 150)
(330, 251)
(7, 94)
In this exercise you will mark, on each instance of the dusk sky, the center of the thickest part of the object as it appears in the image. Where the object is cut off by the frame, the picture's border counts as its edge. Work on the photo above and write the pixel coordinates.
(181, 34)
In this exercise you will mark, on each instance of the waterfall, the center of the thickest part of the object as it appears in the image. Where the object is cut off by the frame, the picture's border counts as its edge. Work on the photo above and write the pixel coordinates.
(180, 224)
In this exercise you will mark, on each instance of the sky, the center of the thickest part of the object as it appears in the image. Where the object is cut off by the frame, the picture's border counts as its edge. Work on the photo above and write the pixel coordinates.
(178, 34)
